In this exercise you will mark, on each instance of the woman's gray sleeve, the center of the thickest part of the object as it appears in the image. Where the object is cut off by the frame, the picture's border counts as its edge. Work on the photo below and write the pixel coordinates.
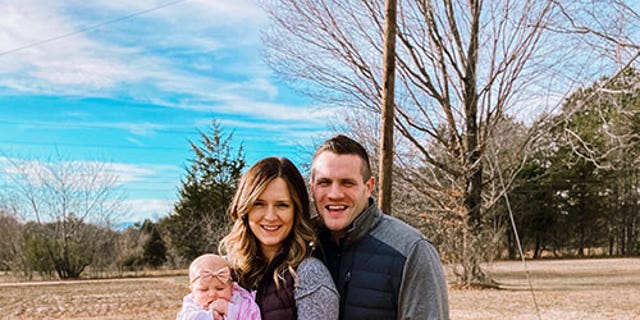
(316, 295)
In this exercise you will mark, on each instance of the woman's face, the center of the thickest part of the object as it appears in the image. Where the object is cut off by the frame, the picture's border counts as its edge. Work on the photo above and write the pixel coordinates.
(271, 217)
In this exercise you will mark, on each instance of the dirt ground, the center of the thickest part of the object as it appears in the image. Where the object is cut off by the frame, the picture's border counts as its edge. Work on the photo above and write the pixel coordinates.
(149, 298)
(563, 289)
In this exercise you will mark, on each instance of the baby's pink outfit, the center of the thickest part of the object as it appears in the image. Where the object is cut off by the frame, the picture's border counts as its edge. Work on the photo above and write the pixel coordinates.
(242, 306)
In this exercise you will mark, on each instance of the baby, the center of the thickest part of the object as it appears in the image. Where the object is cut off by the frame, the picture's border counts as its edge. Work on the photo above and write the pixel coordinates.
(214, 295)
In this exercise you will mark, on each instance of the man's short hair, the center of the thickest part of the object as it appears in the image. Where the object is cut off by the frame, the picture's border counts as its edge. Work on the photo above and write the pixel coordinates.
(341, 144)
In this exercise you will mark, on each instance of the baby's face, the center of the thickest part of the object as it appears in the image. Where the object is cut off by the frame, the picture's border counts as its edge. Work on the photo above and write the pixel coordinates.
(207, 290)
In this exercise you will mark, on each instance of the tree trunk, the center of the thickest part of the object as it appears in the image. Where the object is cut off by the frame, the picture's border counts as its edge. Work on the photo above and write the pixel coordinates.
(386, 137)
(472, 197)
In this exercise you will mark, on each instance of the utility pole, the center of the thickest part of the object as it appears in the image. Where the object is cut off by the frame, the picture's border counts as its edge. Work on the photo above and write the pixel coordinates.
(387, 118)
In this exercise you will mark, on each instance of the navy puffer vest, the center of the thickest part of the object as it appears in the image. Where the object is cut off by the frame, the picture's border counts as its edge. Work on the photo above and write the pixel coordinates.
(367, 271)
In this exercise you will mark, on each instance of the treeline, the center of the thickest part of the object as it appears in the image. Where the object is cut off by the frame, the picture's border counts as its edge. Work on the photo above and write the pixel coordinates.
(70, 236)
(32, 248)
(573, 192)
(578, 194)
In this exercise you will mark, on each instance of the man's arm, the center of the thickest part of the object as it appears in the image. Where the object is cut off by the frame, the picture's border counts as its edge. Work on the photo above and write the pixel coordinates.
(423, 290)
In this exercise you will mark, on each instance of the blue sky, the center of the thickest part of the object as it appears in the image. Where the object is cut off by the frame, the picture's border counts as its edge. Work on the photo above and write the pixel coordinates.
(133, 92)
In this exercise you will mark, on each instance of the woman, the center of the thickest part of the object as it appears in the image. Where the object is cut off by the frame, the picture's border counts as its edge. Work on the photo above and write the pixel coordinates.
(269, 244)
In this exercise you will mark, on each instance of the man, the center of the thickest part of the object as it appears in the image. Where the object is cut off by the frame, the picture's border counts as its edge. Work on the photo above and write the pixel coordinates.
(382, 267)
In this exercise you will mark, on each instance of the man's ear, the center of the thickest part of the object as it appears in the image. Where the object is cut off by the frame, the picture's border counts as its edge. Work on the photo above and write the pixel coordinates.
(311, 183)
(369, 184)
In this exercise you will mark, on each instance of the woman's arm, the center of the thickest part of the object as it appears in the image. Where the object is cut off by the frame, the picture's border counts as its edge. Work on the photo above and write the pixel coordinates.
(316, 295)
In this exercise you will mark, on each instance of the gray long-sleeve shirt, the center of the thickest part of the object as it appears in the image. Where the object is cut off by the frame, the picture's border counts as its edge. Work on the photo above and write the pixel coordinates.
(316, 295)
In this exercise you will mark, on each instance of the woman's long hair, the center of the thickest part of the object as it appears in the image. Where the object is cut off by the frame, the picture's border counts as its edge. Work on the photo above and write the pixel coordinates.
(241, 245)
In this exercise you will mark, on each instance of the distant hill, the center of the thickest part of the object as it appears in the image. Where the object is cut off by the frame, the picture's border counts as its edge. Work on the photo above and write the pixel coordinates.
(121, 226)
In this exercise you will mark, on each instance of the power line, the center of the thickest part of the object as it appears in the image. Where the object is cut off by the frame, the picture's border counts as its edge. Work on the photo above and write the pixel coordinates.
(84, 145)
(186, 148)
(519, 245)
(85, 29)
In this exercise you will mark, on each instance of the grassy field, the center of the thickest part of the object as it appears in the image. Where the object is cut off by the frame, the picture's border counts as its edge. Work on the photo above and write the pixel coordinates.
(564, 289)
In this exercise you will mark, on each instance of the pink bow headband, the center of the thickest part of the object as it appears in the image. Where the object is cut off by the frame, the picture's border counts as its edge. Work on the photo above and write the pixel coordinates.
(223, 274)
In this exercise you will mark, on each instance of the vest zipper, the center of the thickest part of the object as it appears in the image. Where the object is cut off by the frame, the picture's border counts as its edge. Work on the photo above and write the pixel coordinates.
(345, 287)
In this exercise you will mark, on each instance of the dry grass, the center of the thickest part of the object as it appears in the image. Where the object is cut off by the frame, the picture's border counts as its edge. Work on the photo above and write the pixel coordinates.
(145, 298)
(564, 289)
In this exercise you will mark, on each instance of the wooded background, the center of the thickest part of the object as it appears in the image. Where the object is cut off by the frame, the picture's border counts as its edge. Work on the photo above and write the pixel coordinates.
(508, 113)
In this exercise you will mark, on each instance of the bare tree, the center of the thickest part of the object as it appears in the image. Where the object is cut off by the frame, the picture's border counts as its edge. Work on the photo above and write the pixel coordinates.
(462, 67)
(66, 198)
(11, 235)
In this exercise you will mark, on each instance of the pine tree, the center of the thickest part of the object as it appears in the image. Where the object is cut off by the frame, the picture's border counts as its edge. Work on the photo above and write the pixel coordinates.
(154, 251)
(199, 218)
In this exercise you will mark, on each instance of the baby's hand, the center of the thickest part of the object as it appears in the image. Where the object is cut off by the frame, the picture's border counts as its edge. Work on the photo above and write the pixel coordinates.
(217, 316)
(219, 307)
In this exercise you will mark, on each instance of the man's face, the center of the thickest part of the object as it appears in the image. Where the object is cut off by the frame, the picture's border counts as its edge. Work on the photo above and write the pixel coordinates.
(339, 190)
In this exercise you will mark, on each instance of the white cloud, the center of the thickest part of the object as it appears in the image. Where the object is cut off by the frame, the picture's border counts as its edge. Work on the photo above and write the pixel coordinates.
(141, 128)
(127, 173)
(135, 141)
(193, 12)
(270, 111)
(92, 72)
(125, 52)
(36, 171)
(153, 209)
(75, 62)
(137, 128)
(127, 59)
